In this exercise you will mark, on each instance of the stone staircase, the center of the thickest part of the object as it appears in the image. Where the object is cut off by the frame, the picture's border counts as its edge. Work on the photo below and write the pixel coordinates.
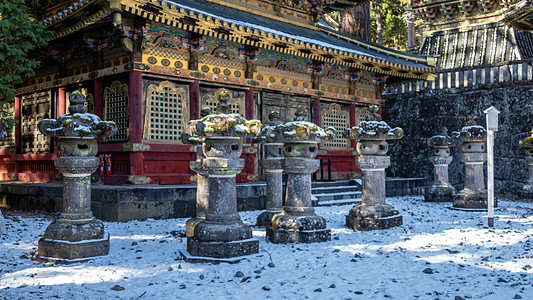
(326, 193)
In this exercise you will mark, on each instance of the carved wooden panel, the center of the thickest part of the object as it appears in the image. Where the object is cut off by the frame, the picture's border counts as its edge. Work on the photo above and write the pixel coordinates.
(285, 104)
(35, 107)
(9, 142)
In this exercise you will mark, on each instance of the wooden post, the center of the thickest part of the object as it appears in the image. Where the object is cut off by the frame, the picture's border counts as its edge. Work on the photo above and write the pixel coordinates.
(98, 98)
(61, 102)
(353, 122)
(249, 103)
(135, 121)
(316, 112)
(18, 136)
(194, 100)
(492, 125)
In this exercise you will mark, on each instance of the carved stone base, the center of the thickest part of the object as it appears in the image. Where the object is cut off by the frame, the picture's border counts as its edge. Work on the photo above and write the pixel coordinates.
(289, 228)
(191, 224)
(265, 218)
(440, 194)
(221, 249)
(472, 199)
(282, 236)
(66, 242)
(369, 217)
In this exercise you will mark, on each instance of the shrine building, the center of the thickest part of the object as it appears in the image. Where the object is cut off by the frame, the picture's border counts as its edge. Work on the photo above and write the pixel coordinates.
(150, 66)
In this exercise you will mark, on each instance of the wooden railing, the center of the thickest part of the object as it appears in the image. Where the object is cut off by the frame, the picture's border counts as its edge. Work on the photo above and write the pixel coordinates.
(504, 73)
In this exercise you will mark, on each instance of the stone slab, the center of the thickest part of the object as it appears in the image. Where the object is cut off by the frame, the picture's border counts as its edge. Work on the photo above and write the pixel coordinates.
(222, 249)
(282, 236)
(366, 224)
(186, 256)
(65, 252)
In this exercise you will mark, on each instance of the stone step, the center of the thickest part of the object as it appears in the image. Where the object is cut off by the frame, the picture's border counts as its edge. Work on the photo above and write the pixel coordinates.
(334, 189)
(354, 201)
(338, 196)
(317, 184)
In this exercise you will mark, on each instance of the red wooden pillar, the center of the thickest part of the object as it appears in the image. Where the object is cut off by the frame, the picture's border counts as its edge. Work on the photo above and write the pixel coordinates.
(194, 100)
(316, 112)
(18, 126)
(249, 103)
(249, 114)
(135, 121)
(61, 102)
(353, 122)
(98, 98)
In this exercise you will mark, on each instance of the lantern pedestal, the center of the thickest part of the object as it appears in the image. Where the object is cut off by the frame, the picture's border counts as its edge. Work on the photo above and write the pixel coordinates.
(222, 234)
(76, 235)
(297, 221)
(441, 190)
(274, 177)
(202, 201)
(373, 212)
(474, 194)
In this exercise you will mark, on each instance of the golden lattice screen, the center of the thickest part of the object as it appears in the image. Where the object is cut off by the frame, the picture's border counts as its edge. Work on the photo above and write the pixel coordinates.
(236, 104)
(361, 114)
(116, 101)
(334, 116)
(166, 112)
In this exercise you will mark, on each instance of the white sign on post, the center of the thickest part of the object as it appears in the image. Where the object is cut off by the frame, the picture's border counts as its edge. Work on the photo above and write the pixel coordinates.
(492, 125)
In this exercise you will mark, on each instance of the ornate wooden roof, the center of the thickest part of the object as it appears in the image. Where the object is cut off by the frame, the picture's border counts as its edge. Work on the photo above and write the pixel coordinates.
(446, 14)
(247, 27)
(520, 16)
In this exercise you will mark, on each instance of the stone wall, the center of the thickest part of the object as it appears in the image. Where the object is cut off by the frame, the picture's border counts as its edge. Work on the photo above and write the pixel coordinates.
(422, 114)
(125, 202)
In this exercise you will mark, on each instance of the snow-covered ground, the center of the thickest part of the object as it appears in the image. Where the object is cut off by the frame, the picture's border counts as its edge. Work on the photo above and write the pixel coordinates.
(438, 253)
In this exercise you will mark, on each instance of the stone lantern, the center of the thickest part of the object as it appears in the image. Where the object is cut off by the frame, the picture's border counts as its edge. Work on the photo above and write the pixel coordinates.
(271, 163)
(527, 143)
(297, 221)
(222, 234)
(441, 190)
(76, 235)
(373, 212)
(201, 180)
(474, 194)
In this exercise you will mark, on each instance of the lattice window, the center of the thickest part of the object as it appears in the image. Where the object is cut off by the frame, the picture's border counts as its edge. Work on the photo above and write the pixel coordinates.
(361, 114)
(334, 116)
(236, 104)
(9, 142)
(35, 108)
(166, 113)
(116, 99)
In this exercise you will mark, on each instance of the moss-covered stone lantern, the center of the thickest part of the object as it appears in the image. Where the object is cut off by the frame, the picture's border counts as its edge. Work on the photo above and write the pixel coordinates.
(76, 235)
(474, 193)
(272, 156)
(372, 136)
(441, 190)
(222, 234)
(297, 221)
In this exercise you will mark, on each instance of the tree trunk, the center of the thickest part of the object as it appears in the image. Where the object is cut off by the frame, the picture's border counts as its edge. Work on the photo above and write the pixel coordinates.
(379, 31)
(355, 21)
